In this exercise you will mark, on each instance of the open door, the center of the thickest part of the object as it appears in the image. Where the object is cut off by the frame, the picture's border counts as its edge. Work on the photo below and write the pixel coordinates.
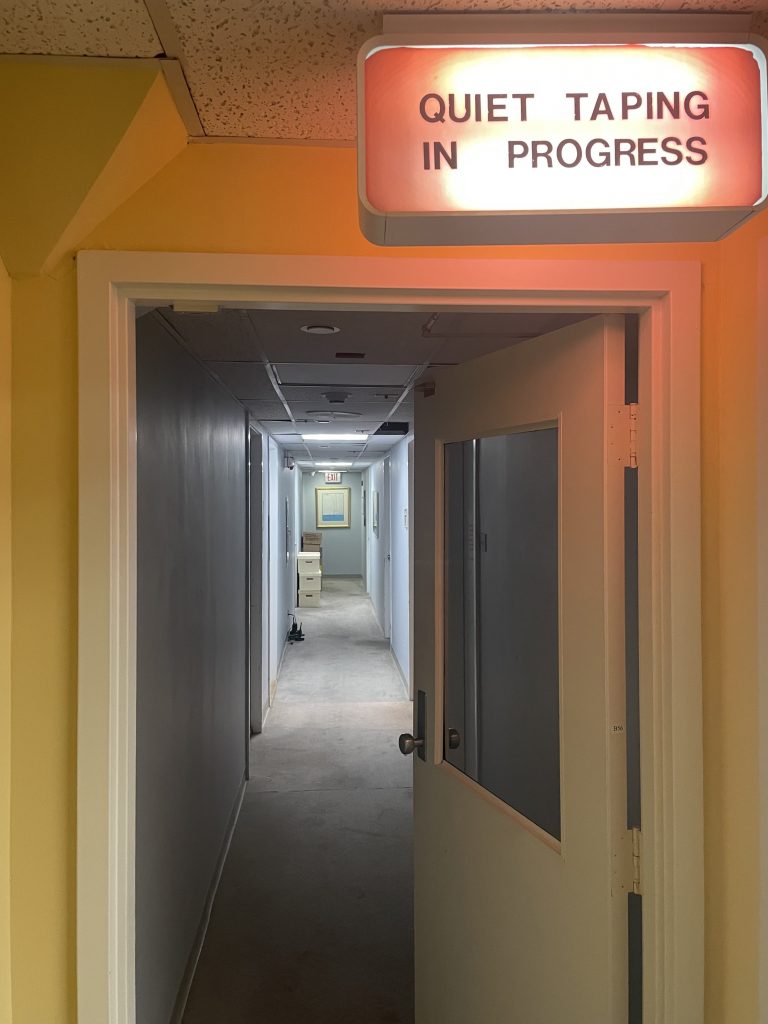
(524, 864)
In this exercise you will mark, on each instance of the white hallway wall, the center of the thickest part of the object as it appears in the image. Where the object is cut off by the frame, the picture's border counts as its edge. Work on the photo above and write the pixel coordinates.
(400, 554)
(393, 539)
(375, 541)
(342, 547)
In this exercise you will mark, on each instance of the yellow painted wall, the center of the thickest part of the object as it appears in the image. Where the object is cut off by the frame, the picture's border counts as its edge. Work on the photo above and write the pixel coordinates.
(233, 198)
(5, 646)
(59, 123)
(731, 696)
(44, 447)
(77, 140)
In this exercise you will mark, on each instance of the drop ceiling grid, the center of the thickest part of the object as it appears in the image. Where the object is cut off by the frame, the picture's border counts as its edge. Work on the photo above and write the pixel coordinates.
(226, 336)
(368, 413)
(286, 68)
(281, 69)
(344, 374)
(244, 380)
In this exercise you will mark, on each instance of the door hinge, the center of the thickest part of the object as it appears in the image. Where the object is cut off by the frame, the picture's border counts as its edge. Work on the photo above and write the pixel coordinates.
(632, 435)
(636, 879)
(622, 434)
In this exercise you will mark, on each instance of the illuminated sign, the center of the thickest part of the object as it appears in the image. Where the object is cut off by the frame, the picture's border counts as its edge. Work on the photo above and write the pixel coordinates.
(507, 143)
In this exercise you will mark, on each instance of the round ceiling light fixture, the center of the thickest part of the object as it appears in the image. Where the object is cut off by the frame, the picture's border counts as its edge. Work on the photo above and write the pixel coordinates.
(320, 329)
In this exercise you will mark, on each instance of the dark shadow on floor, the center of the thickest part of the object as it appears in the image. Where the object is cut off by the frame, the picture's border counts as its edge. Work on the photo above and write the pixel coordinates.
(312, 923)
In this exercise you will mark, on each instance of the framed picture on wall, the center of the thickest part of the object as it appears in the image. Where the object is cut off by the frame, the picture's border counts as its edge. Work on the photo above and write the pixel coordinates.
(332, 507)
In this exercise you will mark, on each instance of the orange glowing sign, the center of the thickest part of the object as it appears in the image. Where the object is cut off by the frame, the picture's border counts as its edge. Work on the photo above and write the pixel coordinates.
(515, 129)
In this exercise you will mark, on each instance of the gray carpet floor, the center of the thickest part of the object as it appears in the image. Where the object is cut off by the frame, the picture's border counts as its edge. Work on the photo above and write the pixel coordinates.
(312, 923)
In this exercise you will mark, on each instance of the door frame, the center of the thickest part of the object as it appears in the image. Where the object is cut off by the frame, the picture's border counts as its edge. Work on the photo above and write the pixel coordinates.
(110, 284)
(762, 619)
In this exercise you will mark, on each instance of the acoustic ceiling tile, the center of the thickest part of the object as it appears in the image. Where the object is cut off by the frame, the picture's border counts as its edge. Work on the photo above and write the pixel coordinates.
(86, 28)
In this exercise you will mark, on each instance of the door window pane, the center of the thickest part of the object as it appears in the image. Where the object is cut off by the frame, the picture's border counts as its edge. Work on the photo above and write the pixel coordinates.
(502, 685)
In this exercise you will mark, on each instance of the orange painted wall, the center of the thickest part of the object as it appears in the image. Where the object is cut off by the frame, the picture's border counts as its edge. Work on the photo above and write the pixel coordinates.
(264, 199)
(5, 646)
(283, 199)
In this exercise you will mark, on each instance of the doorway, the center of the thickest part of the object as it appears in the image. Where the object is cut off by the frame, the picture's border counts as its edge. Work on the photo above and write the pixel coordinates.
(671, 370)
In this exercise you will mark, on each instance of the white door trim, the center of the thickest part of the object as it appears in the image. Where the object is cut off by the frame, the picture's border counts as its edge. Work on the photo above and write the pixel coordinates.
(109, 284)
(762, 615)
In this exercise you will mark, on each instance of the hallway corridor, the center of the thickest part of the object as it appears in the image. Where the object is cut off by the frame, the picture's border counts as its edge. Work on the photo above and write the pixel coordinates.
(312, 922)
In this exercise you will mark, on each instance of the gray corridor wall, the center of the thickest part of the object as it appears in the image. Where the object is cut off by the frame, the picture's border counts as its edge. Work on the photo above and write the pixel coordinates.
(342, 548)
(191, 653)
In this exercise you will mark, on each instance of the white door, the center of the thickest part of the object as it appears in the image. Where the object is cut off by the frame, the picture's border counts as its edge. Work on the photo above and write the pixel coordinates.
(523, 860)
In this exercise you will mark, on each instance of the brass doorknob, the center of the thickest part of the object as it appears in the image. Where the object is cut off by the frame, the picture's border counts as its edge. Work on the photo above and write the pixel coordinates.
(408, 743)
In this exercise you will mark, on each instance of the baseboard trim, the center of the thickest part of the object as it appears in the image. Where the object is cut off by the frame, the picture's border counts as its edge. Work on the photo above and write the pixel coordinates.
(400, 672)
(197, 948)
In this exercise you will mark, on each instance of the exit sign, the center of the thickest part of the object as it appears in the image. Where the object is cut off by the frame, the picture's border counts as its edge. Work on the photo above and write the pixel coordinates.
(333, 478)
(494, 142)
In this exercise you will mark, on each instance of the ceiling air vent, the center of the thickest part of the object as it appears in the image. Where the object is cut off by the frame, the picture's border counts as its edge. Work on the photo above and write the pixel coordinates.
(393, 428)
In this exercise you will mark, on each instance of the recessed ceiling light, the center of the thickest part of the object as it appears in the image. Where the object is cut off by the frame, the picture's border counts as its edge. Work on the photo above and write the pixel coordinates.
(320, 329)
(333, 464)
(334, 437)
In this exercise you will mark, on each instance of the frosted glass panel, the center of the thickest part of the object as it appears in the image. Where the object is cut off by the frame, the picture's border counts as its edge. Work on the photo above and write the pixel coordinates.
(502, 687)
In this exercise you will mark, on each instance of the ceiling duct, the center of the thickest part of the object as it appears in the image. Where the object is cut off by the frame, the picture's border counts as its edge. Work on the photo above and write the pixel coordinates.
(393, 429)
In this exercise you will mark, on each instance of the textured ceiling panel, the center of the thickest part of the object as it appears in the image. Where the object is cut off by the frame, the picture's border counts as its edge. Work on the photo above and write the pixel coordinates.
(286, 68)
(342, 374)
(224, 335)
(476, 326)
(355, 395)
(370, 412)
(383, 337)
(380, 441)
(264, 410)
(244, 380)
(282, 430)
(281, 69)
(88, 28)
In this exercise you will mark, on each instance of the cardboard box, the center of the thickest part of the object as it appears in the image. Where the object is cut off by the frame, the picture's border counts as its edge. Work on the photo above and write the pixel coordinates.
(312, 582)
(309, 599)
(315, 539)
(308, 563)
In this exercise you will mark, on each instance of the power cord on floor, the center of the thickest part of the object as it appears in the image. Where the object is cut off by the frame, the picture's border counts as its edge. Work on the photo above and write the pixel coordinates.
(295, 633)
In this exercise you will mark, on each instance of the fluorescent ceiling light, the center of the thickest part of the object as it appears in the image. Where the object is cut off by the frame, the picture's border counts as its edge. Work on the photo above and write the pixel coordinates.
(334, 437)
(333, 465)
